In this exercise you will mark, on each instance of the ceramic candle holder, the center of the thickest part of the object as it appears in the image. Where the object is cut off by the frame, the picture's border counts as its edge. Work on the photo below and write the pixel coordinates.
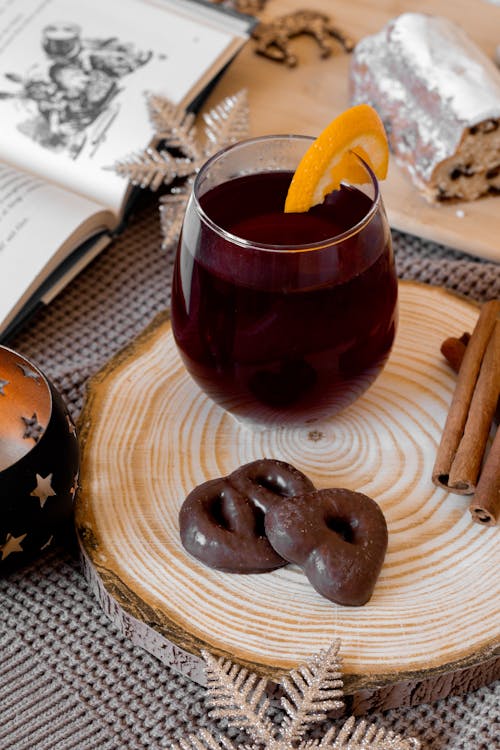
(39, 462)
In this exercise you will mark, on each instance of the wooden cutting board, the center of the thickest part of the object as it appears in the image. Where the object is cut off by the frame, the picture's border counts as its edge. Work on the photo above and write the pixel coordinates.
(149, 436)
(304, 99)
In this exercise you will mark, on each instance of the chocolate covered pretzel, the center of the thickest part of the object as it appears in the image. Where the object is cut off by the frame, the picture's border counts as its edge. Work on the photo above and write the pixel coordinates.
(222, 521)
(338, 537)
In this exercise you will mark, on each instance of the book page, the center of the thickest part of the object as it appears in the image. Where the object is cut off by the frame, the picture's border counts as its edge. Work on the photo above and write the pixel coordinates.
(39, 222)
(74, 79)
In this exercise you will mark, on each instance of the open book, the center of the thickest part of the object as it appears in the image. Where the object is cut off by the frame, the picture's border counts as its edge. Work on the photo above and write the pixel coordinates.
(74, 77)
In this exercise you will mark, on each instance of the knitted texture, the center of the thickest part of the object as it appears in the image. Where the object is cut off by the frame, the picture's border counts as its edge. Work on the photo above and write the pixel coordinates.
(68, 679)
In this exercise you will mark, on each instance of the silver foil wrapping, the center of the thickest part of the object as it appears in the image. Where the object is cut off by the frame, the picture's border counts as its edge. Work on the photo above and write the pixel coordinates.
(439, 98)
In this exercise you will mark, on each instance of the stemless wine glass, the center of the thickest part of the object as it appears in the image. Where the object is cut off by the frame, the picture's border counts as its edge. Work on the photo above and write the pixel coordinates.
(281, 318)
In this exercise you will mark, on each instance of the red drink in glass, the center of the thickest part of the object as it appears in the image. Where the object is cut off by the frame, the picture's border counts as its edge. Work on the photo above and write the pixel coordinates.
(282, 318)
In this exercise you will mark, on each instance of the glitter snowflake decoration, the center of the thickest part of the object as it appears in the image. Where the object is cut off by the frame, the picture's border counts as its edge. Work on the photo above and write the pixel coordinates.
(310, 692)
(182, 152)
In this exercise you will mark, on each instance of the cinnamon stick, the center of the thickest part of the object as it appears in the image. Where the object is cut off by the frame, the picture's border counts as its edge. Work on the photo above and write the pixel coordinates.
(458, 414)
(453, 350)
(464, 470)
(485, 507)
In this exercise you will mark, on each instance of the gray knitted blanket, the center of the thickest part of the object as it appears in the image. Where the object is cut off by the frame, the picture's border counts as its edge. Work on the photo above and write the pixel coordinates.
(68, 678)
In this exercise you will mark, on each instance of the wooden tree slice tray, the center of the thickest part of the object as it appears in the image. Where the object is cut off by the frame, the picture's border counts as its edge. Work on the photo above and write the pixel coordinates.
(149, 436)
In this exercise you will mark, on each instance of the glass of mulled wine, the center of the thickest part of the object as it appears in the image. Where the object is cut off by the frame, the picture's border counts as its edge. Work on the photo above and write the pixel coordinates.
(282, 318)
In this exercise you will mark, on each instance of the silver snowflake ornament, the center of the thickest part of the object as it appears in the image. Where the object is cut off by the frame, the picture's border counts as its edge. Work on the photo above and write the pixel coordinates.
(183, 152)
(310, 693)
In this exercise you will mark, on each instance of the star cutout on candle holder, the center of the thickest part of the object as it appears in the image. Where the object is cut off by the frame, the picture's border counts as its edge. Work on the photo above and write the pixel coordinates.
(71, 426)
(3, 383)
(43, 489)
(29, 373)
(47, 543)
(74, 487)
(33, 428)
(12, 544)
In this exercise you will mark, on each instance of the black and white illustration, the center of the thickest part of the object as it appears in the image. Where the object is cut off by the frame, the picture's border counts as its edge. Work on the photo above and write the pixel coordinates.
(69, 95)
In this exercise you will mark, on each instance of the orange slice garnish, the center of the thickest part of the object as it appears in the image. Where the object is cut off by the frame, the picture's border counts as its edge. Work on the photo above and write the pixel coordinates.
(331, 158)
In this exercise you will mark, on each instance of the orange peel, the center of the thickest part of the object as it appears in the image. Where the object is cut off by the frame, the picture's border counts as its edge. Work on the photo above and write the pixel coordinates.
(332, 157)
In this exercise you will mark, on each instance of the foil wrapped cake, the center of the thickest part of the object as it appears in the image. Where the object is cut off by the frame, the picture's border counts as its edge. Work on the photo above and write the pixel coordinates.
(439, 98)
